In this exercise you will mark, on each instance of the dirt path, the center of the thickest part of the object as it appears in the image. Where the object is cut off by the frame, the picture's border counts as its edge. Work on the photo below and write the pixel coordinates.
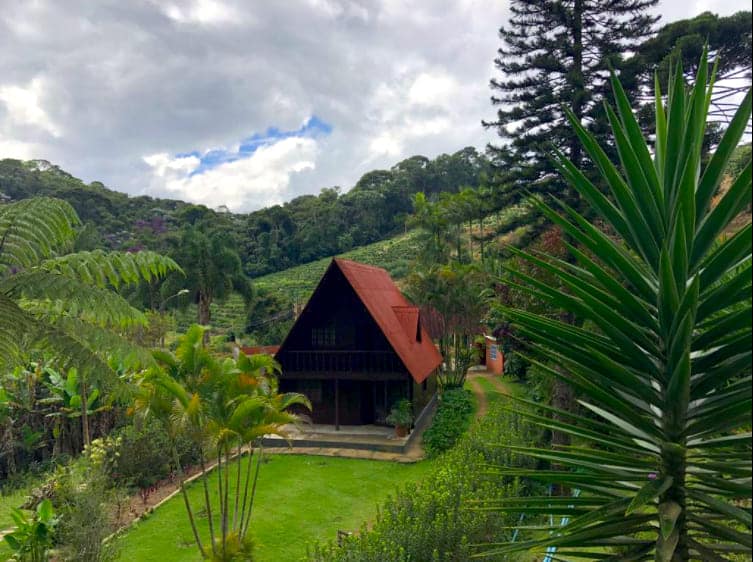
(498, 383)
(478, 392)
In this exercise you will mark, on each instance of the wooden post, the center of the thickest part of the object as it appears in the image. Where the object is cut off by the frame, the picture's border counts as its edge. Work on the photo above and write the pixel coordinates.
(337, 404)
(410, 398)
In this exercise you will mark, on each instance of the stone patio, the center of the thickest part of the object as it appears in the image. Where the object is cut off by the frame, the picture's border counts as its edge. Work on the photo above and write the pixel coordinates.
(357, 441)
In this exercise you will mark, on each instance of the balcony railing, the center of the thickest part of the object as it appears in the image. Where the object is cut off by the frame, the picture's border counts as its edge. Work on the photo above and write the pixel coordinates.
(341, 361)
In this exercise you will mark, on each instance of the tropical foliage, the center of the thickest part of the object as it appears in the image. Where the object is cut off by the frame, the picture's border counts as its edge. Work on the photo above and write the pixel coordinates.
(450, 421)
(453, 300)
(65, 303)
(661, 458)
(32, 538)
(212, 270)
(225, 407)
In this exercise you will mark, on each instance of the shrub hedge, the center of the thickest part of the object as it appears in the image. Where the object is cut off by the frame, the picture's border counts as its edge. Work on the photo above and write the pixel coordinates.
(439, 519)
(452, 418)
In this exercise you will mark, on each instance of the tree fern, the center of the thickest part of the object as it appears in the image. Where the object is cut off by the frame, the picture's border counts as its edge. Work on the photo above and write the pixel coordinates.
(60, 302)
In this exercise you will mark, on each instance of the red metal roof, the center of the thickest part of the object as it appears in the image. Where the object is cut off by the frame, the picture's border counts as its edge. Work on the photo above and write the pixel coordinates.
(395, 316)
(256, 349)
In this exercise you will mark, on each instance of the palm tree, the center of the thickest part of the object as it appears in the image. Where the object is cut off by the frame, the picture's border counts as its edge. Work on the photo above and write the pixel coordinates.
(66, 303)
(456, 292)
(225, 407)
(212, 268)
(662, 460)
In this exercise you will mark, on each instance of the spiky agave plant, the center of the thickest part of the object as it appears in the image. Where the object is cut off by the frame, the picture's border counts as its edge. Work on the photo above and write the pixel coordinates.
(662, 459)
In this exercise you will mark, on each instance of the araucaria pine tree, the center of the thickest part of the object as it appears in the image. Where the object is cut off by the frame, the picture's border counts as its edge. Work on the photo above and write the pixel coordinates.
(555, 54)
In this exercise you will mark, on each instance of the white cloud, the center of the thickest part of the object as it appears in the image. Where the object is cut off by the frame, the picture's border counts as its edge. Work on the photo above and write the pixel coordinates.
(201, 12)
(119, 80)
(23, 104)
(433, 89)
(258, 180)
(417, 105)
(20, 150)
(386, 144)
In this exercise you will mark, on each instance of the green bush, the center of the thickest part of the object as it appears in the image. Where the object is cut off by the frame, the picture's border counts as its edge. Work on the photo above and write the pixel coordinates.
(451, 420)
(141, 456)
(516, 365)
(88, 508)
(437, 519)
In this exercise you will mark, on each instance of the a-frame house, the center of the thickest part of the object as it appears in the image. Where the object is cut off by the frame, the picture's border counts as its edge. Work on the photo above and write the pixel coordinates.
(357, 348)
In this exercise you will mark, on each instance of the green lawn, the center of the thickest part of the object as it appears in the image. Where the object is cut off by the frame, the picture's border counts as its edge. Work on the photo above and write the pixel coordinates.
(14, 499)
(7, 502)
(300, 499)
(513, 387)
(491, 392)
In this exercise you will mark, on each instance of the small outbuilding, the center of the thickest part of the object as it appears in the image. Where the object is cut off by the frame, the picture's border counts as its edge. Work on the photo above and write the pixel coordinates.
(357, 348)
(495, 359)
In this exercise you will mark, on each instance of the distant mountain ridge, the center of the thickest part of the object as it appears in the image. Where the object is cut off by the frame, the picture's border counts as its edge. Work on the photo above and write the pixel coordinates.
(307, 228)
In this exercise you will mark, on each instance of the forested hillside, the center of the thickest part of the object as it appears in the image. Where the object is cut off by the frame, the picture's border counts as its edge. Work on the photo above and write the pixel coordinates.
(305, 229)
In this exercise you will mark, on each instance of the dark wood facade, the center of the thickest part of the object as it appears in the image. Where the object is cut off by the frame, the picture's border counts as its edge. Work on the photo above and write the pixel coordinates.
(340, 358)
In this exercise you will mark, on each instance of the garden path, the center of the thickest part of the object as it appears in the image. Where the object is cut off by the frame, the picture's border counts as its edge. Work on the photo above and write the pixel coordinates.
(474, 379)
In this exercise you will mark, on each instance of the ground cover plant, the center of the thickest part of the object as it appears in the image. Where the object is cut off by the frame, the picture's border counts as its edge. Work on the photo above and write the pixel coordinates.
(451, 420)
(300, 499)
(665, 373)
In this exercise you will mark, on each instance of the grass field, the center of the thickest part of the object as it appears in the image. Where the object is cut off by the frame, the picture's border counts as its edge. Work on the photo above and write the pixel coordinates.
(301, 499)
(14, 499)
(7, 502)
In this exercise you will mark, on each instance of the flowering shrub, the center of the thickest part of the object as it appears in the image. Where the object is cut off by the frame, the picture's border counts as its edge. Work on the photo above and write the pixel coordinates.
(437, 519)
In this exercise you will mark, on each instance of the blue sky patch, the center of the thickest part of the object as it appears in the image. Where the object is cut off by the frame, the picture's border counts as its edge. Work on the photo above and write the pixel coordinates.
(314, 127)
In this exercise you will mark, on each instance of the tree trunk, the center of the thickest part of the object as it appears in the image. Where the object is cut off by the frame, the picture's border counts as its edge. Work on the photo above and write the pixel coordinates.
(204, 313)
(253, 489)
(576, 78)
(563, 398)
(207, 500)
(203, 309)
(85, 416)
(481, 236)
(189, 511)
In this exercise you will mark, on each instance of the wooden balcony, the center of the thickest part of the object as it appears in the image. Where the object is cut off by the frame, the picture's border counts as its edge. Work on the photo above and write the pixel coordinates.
(341, 362)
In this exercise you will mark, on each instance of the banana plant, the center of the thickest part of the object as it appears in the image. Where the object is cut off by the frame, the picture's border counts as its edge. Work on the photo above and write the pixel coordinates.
(662, 443)
(72, 399)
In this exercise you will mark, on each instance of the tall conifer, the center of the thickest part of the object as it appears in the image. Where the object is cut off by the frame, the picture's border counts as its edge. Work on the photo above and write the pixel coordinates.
(557, 53)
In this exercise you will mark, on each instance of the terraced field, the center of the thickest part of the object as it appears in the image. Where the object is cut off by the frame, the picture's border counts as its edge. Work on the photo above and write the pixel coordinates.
(296, 284)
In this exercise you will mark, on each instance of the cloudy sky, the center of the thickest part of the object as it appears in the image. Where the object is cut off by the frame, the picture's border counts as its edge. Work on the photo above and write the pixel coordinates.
(246, 104)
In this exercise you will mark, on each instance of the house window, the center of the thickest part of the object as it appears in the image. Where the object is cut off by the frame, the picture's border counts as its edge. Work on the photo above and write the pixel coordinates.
(323, 336)
(493, 352)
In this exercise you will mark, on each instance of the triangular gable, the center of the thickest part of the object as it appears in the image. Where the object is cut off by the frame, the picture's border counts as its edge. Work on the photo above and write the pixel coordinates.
(381, 297)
